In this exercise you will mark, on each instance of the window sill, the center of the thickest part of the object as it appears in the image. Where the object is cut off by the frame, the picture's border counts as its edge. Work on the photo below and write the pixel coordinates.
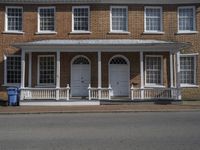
(154, 86)
(12, 84)
(187, 32)
(46, 86)
(80, 32)
(189, 86)
(119, 32)
(154, 32)
(41, 33)
(13, 32)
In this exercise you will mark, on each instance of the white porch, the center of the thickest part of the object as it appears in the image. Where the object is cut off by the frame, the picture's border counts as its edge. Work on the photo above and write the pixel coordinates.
(99, 46)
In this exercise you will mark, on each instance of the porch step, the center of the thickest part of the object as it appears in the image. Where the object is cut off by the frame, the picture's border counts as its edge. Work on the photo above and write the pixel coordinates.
(58, 103)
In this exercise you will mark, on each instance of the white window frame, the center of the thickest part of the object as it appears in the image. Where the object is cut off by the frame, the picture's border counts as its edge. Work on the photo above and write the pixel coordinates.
(6, 21)
(38, 73)
(161, 20)
(38, 20)
(119, 31)
(194, 55)
(161, 75)
(5, 71)
(194, 20)
(80, 31)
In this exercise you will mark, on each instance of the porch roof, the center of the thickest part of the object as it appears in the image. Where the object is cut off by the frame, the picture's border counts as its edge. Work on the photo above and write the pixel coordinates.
(101, 45)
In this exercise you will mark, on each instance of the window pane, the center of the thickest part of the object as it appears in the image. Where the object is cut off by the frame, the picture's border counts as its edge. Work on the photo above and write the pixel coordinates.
(47, 69)
(13, 69)
(81, 19)
(153, 70)
(187, 68)
(14, 19)
(186, 19)
(153, 19)
(119, 19)
(47, 16)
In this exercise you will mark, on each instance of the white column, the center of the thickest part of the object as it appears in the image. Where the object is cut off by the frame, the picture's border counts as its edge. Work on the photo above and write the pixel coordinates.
(99, 74)
(142, 74)
(171, 70)
(178, 75)
(57, 74)
(30, 70)
(22, 74)
(23, 69)
(5, 70)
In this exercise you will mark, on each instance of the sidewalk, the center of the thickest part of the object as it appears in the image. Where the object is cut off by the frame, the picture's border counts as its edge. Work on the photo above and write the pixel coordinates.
(98, 109)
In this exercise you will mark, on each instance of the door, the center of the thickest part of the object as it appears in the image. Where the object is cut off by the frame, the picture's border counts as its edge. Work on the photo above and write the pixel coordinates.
(80, 77)
(119, 77)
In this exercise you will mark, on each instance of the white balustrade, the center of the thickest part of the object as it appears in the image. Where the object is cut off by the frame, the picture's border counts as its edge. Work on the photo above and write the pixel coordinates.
(154, 93)
(99, 93)
(45, 93)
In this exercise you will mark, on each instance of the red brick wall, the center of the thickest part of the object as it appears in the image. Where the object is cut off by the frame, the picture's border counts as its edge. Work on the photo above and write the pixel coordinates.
(100, 28)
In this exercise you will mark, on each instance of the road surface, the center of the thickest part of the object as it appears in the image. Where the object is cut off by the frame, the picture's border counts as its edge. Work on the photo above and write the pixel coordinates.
(101, 131)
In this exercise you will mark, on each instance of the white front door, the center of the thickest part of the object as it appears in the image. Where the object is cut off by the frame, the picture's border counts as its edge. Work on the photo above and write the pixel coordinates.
(119, 76)
(80, 79)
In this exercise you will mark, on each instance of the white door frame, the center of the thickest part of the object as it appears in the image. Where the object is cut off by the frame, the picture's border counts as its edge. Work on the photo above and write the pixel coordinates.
(73, 59)
(128, 63)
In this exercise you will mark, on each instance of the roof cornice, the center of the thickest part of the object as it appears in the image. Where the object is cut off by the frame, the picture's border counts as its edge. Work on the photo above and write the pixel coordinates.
(99, 1)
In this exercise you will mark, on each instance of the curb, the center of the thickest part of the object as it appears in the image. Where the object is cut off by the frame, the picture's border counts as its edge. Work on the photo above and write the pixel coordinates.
(100, 111)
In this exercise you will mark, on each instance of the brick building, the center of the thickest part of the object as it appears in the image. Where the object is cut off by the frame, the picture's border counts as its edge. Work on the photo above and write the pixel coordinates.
(100, 49)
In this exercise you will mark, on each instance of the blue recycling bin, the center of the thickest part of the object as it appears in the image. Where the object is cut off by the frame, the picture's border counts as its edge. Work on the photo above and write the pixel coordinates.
(13, 96)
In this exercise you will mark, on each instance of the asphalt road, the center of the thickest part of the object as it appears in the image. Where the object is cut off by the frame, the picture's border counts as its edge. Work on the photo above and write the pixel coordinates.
(101, 131)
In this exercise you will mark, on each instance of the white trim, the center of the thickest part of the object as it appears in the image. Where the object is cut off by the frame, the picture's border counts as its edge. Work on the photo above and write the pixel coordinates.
(6, 21)
(38, 20)
(119, 31)
(187, 32)
(73, 59)
(194, 21)
(13, 32)
(30, 70)
(161, 75)
(46, 32)
(81, 31)
(152, 32)
(189, 86)
(38, 72)
(194, 55)
(189, 54)
(5, 71)
(128, 63)
(161, 20)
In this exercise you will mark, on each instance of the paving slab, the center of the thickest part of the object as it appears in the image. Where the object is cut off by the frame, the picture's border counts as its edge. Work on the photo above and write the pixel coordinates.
(96, 109)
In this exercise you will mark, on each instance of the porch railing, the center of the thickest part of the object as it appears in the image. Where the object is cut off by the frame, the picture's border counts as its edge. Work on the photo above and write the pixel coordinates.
(45, 93)
(154, 93)
(99, 93)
